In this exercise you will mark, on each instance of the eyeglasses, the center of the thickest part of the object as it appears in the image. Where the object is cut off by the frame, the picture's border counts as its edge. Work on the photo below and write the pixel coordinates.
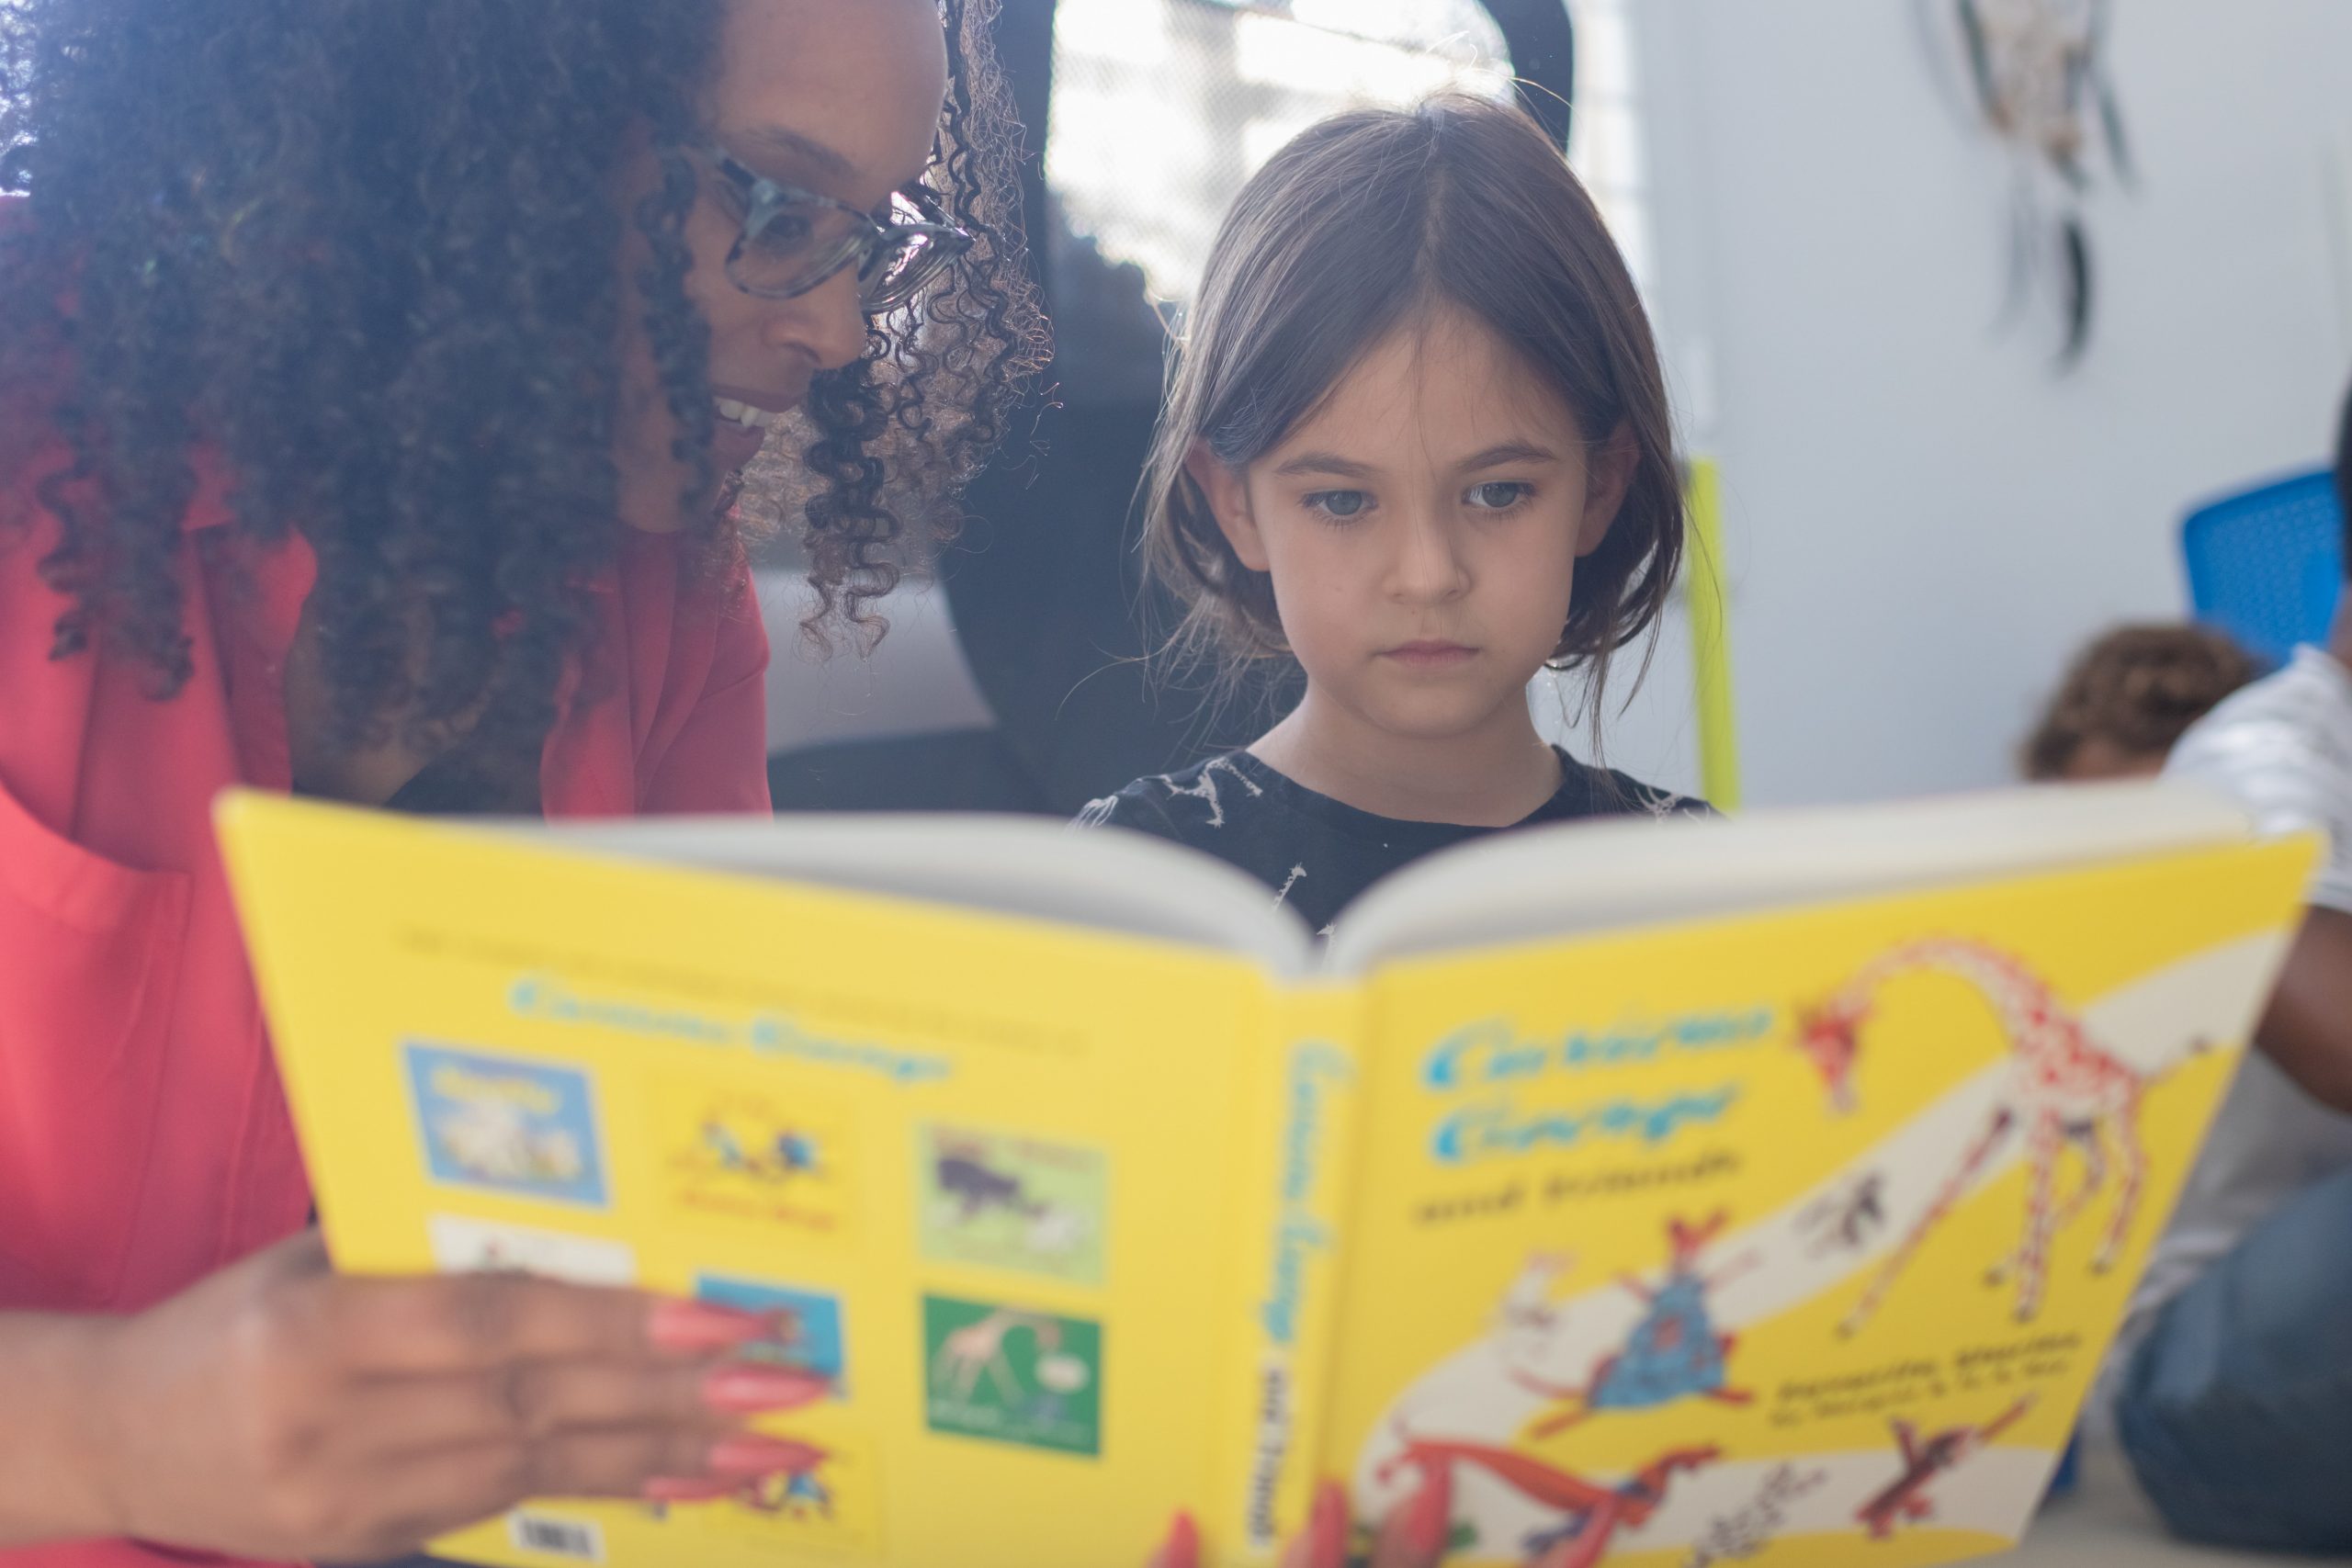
(795, 239)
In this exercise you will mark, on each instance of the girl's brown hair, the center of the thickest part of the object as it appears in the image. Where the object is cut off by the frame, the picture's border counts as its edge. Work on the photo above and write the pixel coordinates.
(1358, 223)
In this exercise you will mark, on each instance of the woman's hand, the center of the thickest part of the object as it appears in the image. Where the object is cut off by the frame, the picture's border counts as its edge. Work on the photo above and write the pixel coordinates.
(279, 1410)
(1412, 1536)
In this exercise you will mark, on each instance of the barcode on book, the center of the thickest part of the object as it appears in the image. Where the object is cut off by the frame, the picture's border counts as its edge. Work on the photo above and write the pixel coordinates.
(576, 1539)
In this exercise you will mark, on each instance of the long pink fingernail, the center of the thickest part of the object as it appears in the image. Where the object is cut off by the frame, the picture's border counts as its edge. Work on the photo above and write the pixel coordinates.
(749, 1453)
(1429, 1519)
(747, 1390)
(684, 1489)
(1182, 1549)
(698, 1325)
(1327, 1528)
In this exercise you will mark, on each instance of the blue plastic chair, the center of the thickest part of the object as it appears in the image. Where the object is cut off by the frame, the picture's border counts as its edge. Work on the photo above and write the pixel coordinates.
(2267, 565)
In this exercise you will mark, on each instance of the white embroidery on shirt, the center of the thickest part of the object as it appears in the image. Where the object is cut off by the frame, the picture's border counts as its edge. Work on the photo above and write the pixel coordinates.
(1661, 803)
(1206, 789)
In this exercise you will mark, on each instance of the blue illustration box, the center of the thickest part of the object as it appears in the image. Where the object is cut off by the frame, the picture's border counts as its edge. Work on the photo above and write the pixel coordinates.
(810, 1338)
(505, 1125)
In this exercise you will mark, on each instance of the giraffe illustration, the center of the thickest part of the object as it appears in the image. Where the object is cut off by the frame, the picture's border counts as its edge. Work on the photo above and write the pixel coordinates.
(978, 1347)
(2062, 1088)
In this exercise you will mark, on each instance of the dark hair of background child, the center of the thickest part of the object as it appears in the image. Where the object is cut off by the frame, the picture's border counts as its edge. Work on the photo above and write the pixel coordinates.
(1344, 235)
(2139, 688)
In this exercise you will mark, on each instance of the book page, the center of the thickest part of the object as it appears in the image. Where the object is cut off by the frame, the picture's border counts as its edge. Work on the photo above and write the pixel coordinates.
(1791, 1239)
(1102, 879)
(986, 1176)
(1621, 873)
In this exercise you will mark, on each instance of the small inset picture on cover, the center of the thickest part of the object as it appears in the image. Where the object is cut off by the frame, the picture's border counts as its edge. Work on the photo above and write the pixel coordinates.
(463, 1245)
(806, 1326)
(1010, 1375)
(824, 1497)
(749, 1159)
(505, 1125)
(1007, 1201)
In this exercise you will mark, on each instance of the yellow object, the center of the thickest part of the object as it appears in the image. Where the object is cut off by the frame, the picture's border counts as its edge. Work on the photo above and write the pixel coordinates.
(1710, 638)
(1087, 1228)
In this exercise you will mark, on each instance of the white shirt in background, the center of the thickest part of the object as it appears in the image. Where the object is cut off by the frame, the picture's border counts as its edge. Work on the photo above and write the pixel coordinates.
(2282, 749)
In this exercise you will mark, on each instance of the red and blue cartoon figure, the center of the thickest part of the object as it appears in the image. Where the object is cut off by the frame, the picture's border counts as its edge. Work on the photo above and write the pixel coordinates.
(1674, 1352)
(796, 1489)
(787, 1153)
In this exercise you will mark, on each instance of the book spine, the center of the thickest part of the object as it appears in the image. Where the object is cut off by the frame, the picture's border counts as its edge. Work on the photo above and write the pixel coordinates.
(1297, 1175)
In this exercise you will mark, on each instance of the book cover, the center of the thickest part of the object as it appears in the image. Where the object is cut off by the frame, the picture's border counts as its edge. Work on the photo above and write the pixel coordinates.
(1789, 1237)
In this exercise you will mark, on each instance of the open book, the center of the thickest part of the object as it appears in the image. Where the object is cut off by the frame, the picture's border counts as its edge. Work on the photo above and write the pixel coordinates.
(1685, 1192)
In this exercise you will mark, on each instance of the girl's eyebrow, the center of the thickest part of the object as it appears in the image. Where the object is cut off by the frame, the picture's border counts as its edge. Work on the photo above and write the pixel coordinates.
(1510, 452)
(1495, 457)
(1325, 463)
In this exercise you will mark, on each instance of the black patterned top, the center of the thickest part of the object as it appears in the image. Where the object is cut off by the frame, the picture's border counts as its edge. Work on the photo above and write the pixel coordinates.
(1318, 854)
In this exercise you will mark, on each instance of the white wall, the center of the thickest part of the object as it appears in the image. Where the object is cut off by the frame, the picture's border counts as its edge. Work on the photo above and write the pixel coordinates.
(1924, 521)
(916, 682)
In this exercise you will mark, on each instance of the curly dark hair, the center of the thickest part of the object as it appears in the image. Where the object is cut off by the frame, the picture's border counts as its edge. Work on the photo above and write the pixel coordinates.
(363, 253)
(2138, 688)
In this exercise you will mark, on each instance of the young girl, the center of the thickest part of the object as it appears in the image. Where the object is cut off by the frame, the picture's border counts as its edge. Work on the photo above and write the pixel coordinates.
(1419, 443)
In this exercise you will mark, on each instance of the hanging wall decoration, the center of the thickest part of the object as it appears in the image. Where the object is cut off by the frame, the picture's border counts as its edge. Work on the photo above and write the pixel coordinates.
(2038, 82)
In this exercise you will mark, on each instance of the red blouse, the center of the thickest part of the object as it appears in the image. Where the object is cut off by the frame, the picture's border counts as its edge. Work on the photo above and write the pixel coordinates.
(144, 1139)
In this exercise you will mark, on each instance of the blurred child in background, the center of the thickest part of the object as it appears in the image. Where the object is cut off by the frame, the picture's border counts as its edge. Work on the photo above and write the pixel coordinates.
(2128, 698)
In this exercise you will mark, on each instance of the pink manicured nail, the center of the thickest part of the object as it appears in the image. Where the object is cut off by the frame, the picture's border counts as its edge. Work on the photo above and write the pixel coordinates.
(1182, 1549)
(749, 1453)
(1429, 1517)
(1327, 1528)
(698, 1325)
(746, 1390)
(682, 1489)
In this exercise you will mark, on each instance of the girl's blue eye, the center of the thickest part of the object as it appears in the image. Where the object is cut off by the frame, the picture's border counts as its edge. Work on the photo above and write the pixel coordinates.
(1500, 496)
(1340, 505)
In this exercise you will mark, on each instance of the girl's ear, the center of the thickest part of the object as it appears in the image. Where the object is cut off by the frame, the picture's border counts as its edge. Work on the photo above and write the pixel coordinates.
(1610, 474)
(1228, 497)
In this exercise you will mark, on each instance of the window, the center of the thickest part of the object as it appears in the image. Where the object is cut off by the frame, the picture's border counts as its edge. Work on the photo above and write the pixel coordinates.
(1605, 137)
(1161, 110)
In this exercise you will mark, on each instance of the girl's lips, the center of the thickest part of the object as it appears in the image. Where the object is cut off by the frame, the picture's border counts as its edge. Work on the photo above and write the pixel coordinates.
(1431, 655)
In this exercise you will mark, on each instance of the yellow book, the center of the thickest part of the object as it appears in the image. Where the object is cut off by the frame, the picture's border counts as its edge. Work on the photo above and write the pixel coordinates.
(1682, 1192)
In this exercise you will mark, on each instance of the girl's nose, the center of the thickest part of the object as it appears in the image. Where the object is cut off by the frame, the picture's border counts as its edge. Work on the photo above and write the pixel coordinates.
(1428, 567)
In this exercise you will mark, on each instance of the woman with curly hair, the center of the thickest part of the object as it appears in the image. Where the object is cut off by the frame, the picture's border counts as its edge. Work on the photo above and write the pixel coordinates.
(372, 376)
